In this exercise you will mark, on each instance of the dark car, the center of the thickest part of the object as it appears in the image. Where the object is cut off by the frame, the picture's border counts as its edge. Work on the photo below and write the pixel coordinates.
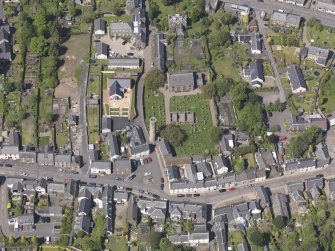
(156, 196)
(188, 195)
(180, 195)
(162, 186)
(222, 190)
(124, 42)
(129, 189)
(132, 177)
(196, 195)
(129, 54)
(91, 184)
(8, 165)
(92, 176)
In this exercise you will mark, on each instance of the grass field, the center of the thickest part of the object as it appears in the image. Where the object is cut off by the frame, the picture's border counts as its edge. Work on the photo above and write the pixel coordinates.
(323, 39)
(197, 134)
(93, 124)
(154, 107)
(236, 237)
(225, 65)
(268, 70)
(117, 243)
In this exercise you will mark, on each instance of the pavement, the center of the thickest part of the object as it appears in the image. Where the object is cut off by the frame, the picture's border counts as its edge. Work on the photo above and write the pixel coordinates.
(271, 5)
(262, 28)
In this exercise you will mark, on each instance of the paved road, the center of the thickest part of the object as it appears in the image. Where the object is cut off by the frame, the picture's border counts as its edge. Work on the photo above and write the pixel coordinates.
(273, 62)
(269, 6)
(82, 118)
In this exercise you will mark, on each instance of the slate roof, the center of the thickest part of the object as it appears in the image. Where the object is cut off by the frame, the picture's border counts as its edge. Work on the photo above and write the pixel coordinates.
(296, 77)
(2, 12)
(85, 206)
(299, 164)
(106, 123)
(122, 164)
(99, 24)
(324, 5)
(82, 223)
(159, 47)
(318, 181)
(173, 173)
(102, 49)
(139, 149)
(263, 196)
(286, 18)
(180, 79)
(26, 219)
(121, 26)
(5, 51)
(191, 172)
(164, 147)
(205, 167)
(127, 62)
(256, 71)
(101, 165)
(117, 85)
(280, 205)
(189, 210)
(56, 187)
(113, 145)
(294, 186)
(256, 41)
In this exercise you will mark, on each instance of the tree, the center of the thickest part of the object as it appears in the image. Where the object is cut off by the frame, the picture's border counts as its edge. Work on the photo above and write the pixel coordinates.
(208, 91)
(273, 138)
(251, 119)
(239, 165)
(11, 241)
(153, 238)
(73, 10)
(215, 134)
(23, 241)
(34, 241)
(38, 45)
(173, 134)
(280, 222)
(117, 8)
(314, 23)
(40, 22)
(168, 2)
(49, 117)
(154, 79)
(255, 236)
(187, 225)
(88, 16)
(153, 11)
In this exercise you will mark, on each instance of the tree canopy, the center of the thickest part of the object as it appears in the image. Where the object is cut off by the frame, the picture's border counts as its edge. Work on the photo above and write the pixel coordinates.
(215, 134)
(154, 79)
(173, 134)
(255, 236)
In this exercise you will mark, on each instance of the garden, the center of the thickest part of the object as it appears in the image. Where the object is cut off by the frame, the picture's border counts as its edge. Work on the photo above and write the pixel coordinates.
(154, 107)
(197, 134)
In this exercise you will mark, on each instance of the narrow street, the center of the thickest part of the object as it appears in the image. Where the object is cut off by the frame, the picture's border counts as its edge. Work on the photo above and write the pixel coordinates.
(271, 58)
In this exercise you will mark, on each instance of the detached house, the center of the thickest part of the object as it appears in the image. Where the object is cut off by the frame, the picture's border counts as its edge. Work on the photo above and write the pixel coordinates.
(255, 74)
(319, 55)
(117, 87)
(99, 27)
(297, 80)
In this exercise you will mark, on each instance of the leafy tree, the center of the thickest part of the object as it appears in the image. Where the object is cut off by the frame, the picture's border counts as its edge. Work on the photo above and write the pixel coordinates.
(34, 241)
(273, 138)
(23, 241)
(221, 38)
(215, 134)
(88, 16)
(255, 236)
(174, 134)
(154, 79)
(153, 11)
(73, 10)
(153, 239)
(168, 2)
(11, 241)
(280, 222)
(208, 90)
(117, 8)
(40, 22)
(239, 165)
(314, 23)
(39, 46)
(251, 119)
(187, 225)
(274, 128)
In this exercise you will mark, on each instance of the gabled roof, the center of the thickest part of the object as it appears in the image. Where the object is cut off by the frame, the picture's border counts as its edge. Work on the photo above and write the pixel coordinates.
(318, 181)
(296, 77)
(122, 164)
(116, 86)
(85, 206)
(102, 49)
(164, 147)
(173, 173)
(113, 145)
(256, 71)
(5, 51)
(263, 196)
(101, 165)
(205, 167)
(99, 24)
(180, 79)
(191, 172)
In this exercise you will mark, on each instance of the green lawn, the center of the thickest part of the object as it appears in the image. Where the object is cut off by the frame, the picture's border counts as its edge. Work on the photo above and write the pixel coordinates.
(224, 64)
(289, 53)
(44, 141)
(327, 94)
(117, 243)
(236, 237)
(268, 70)
(93, 124)
(251, 160)
(323, 39)
(197, 134)
(154, 107)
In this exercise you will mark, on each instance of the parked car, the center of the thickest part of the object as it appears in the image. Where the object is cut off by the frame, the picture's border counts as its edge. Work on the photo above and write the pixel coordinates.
(231, 188)
(147, 174)
(8, 165)
(162, 186)
(92, 176)
(140, 190)
(132, 177)
(124, 42)
(75, 172)
(92, 184)
(222, 190)
(180, 195)
(142, 162)
(24, 174)
(149, 159)
(156, 196)
(129, 189)
(162, 180)
(196, 195)
(118, 178)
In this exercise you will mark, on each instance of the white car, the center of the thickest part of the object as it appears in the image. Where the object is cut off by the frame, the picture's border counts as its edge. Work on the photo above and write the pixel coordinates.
(24, 174)
(142, 162)
(147, 174)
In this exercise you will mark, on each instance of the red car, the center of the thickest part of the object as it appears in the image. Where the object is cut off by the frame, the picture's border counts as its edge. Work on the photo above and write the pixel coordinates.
(149, 159)
(231, 188)
(162, 180)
